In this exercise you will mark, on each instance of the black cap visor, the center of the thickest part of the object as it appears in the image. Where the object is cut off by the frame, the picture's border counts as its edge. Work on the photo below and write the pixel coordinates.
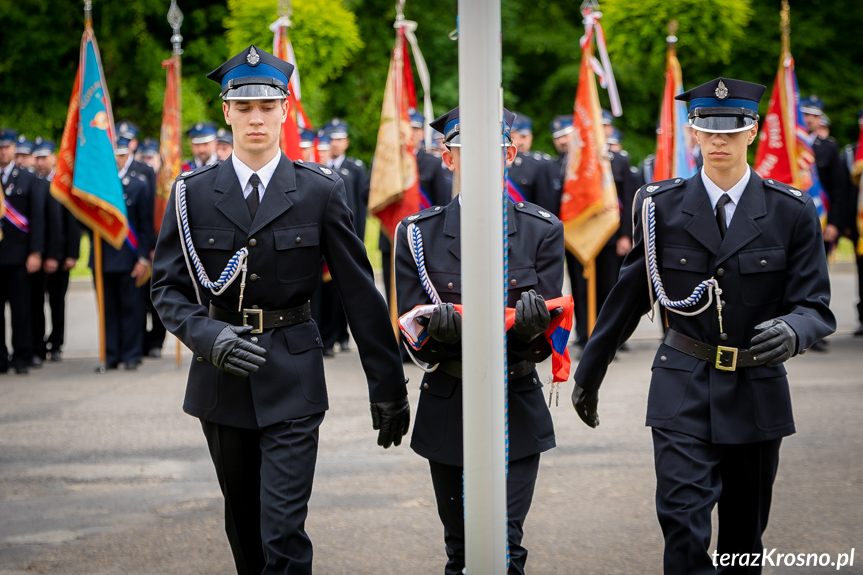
(722, 124)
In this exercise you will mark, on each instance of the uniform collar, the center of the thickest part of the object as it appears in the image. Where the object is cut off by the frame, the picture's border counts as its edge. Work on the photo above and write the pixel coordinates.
(244, 172)
(125, 169)
(735, 192)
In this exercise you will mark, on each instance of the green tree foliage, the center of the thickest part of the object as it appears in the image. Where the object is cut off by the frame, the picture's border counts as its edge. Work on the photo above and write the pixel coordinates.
(41, 42)
(323, 33)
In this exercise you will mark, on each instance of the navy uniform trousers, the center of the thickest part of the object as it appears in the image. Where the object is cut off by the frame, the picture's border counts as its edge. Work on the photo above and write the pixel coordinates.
(535, 262)
(717, 433)
(262, 430)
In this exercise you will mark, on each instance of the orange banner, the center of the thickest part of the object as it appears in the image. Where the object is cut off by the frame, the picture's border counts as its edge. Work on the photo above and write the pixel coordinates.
(170, 147)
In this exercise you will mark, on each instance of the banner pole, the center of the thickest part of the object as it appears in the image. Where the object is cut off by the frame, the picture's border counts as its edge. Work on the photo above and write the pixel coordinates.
(100, 297)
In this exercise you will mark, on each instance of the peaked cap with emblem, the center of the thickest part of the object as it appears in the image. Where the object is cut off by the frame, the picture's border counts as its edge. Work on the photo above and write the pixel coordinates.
(449, 126)
(7, 136)
(561, 126)
(253, 74)
(43, 147)
(723, 105)
(202, 132)
(23, 145)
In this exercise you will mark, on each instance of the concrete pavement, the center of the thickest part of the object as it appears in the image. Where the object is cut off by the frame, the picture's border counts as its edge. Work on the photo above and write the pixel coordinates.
(105, 474)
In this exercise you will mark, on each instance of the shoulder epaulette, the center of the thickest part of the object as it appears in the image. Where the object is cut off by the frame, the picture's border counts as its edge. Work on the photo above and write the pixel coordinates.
(319, 169)
(190, 173)
(788, 190)
(426, 213)
(654, 188)
(357, 162)
(535, 211)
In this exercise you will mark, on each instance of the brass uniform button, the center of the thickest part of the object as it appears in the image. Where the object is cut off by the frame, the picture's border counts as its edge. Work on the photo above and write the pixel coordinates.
(513, 282)
(211, 241)
(720, 272)
(253, 278)
(425, 386)
(299, 239)
(683, 261)
(253, 242)
(763, 263)
(449, 285)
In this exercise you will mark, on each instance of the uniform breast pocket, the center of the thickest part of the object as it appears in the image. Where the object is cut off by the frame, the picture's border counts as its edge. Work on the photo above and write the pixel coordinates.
(215, 246)
(762, 275)
(683, 268)
(519, 280)
(298, 256)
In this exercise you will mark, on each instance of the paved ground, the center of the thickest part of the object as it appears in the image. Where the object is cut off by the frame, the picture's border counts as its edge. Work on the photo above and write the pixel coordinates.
(104, 473)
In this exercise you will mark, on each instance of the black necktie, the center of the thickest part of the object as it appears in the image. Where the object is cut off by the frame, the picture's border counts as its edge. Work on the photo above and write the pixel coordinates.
(720, 214)
(252, 200)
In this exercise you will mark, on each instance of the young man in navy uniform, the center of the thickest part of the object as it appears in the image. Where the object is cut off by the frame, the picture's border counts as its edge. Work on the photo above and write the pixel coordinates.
(535, 271)
(719, 401)
(257, 378)
(21, 247)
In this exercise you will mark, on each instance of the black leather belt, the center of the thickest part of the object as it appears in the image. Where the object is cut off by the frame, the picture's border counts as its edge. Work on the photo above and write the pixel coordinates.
(723, 358)
(520, 369)
(260, 319)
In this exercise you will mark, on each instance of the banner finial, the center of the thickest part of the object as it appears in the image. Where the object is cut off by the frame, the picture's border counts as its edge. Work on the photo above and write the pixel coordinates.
(175, 19)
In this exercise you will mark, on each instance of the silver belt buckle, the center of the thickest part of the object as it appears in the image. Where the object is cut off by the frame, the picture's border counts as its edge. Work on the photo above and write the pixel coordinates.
(721, 365)
(258, 313)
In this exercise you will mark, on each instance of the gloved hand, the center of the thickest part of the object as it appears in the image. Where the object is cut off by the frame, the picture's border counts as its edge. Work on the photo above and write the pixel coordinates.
(776, 343)
(392, 418)
(236, 355)
(585, 402)
(444, 324)
(532, 316)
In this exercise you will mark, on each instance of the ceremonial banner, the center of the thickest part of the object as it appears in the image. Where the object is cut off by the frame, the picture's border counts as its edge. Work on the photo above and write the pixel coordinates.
(2, 212)
(589, 206)
(86, 180)
(673, 156)
(170, 146)
(785, 147)
(297, 119)
(394, 186)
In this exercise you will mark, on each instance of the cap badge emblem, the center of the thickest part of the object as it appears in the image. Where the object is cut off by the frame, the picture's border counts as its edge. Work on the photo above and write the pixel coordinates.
(253, 57)
(721, 90)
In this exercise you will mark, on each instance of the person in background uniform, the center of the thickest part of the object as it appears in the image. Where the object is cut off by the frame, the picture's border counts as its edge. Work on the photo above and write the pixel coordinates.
(224, 144)
(21, 247)
(530, 179)
(24, 153)
(202, 137)
(257, 380)
(536, 269)
(50, 252)
(123, 270)
(850, 229)
(307, 144)
(719, 402)
(148, 153)
(831, 174)
(63, 240)
(130, 131)
(435, 189)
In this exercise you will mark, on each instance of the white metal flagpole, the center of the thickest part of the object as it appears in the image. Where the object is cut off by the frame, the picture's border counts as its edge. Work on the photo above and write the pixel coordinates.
(482, 286)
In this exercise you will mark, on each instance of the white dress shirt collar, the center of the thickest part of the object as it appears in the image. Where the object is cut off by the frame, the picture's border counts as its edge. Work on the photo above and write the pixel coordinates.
(244, 173)
(735, 192)
(122, 173)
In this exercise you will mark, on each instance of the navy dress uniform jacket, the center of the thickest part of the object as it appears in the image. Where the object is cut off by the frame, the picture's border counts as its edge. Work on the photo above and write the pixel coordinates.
(771, 264)
(139, 209)
(535, 262)
(26, 194)
(353, 172)
(303, 216)
(532, 177)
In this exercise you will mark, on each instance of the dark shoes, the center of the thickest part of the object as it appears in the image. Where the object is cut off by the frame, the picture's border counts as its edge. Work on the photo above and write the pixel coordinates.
(55, 355)
(344, 346)
(132, 366)
(155, 352)
(328, 352)
(22, 370)
(36, 361)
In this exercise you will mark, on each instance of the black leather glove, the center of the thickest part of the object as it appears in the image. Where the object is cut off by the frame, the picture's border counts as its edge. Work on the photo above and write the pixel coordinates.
(444, 324)
(532, 316)
(774, 344)
(236, 355)
(585, 402)
(392, 418)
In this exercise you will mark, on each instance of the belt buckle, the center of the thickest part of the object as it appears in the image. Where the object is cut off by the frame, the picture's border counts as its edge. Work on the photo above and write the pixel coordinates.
(259, 313)
(720, 364)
